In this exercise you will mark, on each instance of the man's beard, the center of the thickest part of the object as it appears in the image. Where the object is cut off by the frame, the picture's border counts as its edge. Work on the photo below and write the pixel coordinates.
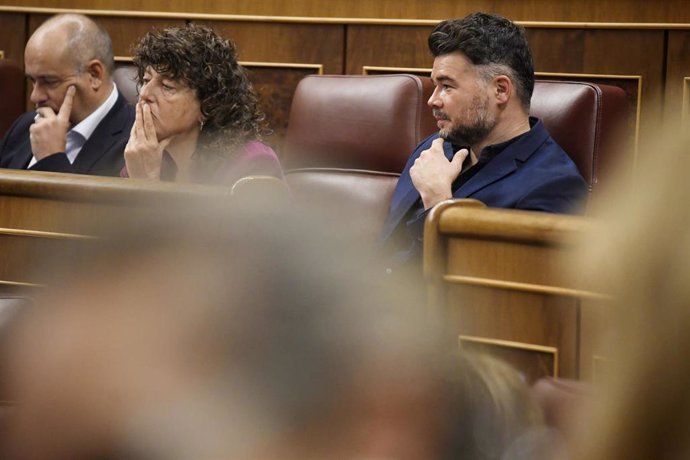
(469, 134)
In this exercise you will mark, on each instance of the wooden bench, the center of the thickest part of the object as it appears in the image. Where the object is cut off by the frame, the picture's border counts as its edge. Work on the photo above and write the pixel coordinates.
(497, 277)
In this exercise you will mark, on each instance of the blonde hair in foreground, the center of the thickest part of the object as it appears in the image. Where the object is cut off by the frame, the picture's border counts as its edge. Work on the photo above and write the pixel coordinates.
(642, 258)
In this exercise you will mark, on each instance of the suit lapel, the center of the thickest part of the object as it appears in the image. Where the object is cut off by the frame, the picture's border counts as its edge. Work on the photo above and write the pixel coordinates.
(104, 137)
(22, 158)
(399, 208)
(501, 166)
(17, 145)
(505, 162)
(406, 195)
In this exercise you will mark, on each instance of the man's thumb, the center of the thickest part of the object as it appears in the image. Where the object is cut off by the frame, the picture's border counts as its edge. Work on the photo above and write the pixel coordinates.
(458, 159)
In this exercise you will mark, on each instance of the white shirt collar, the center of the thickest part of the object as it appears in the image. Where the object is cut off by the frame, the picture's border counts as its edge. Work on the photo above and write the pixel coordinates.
(88, 125)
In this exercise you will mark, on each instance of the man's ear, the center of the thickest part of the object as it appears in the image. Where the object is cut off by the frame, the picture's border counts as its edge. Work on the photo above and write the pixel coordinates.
(96, 72)
(503, 89)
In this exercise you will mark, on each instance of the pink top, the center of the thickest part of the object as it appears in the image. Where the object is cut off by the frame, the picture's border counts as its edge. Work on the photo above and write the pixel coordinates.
(254, 159)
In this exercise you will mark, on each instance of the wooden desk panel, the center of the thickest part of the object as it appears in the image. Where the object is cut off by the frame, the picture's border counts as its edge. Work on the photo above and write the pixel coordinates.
(41, 212)
(497, 277)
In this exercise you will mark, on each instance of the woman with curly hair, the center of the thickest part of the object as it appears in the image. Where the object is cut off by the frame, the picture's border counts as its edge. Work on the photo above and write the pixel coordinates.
(198, 118)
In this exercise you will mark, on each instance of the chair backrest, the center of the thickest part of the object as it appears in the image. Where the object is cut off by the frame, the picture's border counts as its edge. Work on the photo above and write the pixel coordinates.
(125, 77)
(587, 120)
(11, 93)
(348, 139)
(362, 122)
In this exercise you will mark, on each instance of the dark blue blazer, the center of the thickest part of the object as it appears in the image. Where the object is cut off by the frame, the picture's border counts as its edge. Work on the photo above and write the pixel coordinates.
(532, 173)
(101, 155)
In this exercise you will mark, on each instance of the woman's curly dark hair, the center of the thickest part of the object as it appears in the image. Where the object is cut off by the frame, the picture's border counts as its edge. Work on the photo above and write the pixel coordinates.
(207, 63)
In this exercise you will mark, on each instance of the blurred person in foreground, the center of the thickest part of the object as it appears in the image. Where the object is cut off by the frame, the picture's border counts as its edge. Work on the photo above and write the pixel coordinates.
(641, 257)
(179, 340)
(81, 123)
(487, 147)
(198, 117)
(492, 413)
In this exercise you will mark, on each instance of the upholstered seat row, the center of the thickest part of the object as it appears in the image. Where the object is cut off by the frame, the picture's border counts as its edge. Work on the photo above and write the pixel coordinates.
(350, 136)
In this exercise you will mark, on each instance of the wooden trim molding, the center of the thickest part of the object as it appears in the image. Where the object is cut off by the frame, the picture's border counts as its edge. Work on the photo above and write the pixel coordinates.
(82, 188)
(265, 64)
(333, 20)
(523, 287)
(284, 65)
(685, 116)
(20, 284)
(544, 349)
(368, 69)
(47, 235)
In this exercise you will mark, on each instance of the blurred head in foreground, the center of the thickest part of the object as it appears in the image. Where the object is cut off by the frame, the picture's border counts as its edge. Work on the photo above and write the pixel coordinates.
(493, 414)
(263, 340)
(642, 258)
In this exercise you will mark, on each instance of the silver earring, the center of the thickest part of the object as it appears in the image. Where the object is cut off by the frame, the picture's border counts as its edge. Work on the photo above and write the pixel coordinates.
(201, 125)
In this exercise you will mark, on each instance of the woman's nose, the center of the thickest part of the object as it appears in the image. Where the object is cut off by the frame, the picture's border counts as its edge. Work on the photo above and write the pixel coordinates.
(145, 92)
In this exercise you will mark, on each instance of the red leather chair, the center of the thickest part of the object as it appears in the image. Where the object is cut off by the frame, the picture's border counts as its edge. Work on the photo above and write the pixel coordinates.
(11, 93)
(587, 120)
(363, 122)
(348, 139)
(125, 77)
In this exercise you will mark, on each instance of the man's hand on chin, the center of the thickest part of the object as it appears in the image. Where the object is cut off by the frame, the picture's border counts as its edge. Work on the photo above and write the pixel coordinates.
(48, 134)
(433, 175)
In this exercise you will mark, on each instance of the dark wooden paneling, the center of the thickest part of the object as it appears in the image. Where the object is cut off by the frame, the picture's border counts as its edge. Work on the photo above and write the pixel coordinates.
(525, 10)
(125, 32)
(12, 36)
(607, 54)
(287, 43)
(677, 91)
(276, 87)
(387, 46)
(13, 33)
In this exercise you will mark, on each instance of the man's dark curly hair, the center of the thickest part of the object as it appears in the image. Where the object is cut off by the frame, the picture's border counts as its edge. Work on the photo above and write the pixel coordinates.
(207, 63)
(491, 42)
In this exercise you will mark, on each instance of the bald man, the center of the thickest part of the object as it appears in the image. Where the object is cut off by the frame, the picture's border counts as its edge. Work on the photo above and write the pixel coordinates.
(81, 123)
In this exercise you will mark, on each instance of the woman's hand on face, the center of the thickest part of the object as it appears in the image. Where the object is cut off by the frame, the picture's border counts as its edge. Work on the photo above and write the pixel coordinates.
(143, 152)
